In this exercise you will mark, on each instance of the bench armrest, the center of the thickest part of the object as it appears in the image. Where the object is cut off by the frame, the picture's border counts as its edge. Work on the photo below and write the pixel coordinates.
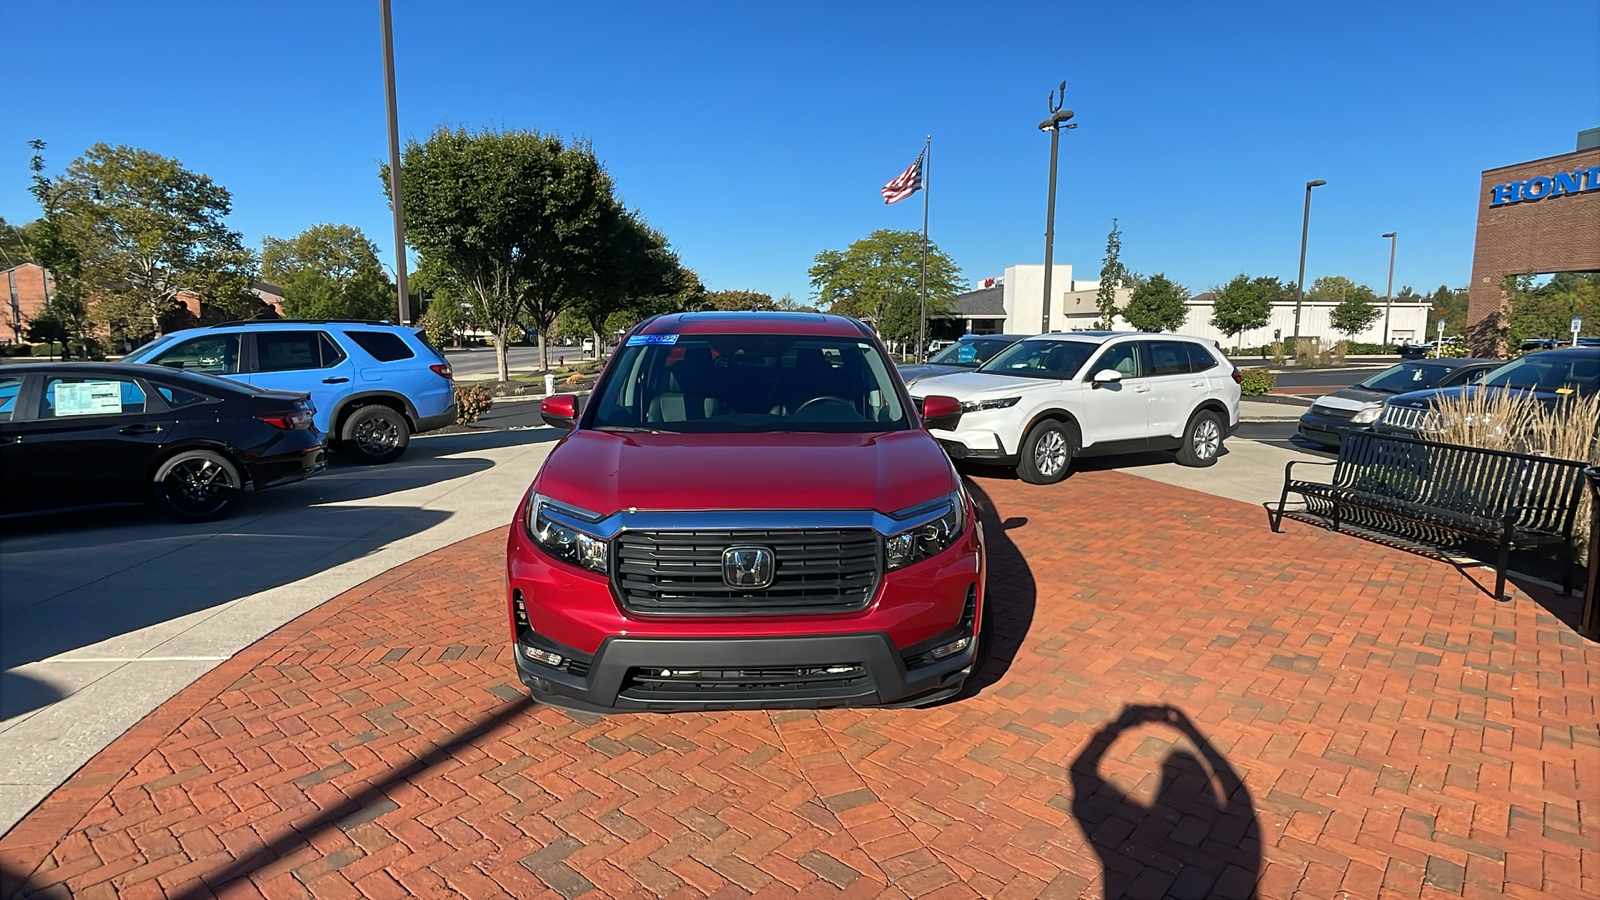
(1288, 470)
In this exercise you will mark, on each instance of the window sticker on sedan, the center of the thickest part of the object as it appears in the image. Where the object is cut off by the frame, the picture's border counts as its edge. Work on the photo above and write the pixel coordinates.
(641, 340)
(967, 353)
(86, 398)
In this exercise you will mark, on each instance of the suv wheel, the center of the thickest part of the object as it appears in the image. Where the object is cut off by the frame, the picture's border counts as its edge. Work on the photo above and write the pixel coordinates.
(1202, 440)
(1047, 453)
(197, 486)
(373, 435)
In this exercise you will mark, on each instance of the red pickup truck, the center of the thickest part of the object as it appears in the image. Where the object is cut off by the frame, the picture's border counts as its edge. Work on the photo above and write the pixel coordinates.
(746, 512)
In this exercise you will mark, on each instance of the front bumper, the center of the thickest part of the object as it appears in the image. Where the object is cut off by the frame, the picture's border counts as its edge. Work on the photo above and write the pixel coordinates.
(1328, 431)
(673, 675)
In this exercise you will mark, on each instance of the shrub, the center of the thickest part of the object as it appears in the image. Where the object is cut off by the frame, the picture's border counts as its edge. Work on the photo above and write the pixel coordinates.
(16, 350)
(472, 401)
(47, 349)
(1256, 381)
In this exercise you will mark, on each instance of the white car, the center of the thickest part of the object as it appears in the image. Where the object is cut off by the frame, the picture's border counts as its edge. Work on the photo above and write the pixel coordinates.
(1046, 399)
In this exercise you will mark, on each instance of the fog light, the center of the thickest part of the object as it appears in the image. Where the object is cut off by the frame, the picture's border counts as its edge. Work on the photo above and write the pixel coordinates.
(542, 656)
(950, 649)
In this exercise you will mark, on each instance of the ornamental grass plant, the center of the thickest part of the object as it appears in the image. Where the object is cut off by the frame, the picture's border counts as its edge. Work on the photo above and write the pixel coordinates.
(1515, 421)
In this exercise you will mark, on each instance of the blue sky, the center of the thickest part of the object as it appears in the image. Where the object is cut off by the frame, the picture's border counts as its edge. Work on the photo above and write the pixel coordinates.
(757, 134)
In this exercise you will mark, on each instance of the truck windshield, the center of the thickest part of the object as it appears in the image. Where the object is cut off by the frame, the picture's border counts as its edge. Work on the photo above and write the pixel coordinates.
(742, 383)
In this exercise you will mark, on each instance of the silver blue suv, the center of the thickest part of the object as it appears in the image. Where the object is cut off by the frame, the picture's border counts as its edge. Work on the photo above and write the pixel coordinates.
(373, 384)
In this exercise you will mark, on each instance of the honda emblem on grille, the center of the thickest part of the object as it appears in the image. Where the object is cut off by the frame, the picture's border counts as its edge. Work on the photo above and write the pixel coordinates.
(748, 567)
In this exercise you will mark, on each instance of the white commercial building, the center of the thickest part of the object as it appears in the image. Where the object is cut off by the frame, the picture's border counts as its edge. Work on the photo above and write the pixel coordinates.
(1013, 305)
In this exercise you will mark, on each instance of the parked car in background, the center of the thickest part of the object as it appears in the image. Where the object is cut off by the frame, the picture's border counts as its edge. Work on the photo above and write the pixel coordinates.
(965, 354)
(96, 434)
(1045, 400)
(1546, 376)
(374, 385)
(1355, 408)
(746, 512)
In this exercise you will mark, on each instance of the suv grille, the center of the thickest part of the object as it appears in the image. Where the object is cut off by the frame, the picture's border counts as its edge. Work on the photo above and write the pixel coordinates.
(1408, 418)
(703, 685)
(679, 573)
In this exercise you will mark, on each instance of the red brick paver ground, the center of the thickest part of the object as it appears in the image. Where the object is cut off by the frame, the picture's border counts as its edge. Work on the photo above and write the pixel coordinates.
(1306, 711)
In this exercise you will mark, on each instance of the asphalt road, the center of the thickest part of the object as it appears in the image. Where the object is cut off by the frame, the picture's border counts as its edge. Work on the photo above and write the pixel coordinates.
(1282, 434)
(476, 362)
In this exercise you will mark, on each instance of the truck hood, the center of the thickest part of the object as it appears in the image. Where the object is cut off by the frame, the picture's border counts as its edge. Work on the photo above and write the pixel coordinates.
(606, 472)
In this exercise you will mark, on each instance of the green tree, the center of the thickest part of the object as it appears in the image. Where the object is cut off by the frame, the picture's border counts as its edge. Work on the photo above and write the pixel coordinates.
(1354, 315)
(146, 229)
(520, 218)
(787, 303)
(1244, 303)
(14, 247)
(1337, 289)
(67, 310)
(1113, 274)
(635, 274)
(736, 301)
(1449, 305)
(879, 278)
(1546, 311)
(329, 272)
(1157, 304)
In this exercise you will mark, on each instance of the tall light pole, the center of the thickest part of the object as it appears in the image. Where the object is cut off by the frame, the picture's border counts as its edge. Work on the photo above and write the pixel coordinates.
(1058, 120)
(1388, 293)
(1305, 229)
(394, 165)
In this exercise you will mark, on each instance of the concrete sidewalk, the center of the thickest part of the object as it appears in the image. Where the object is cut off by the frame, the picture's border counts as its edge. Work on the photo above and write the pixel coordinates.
(104, 623)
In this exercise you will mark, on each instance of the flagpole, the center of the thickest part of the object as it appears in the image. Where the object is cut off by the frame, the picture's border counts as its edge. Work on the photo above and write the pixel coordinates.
(922, 317)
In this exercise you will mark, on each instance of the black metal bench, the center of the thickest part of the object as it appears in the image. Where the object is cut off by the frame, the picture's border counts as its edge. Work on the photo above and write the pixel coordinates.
(1417, 489)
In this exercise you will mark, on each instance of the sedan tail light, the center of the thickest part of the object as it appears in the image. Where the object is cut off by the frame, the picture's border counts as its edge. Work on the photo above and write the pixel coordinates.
(300, 418)
(442, 370)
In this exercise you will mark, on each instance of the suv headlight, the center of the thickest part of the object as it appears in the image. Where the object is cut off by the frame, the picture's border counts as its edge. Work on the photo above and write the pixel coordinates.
(978, 405)
(562, 541)
(1367, 415)
(928, 539)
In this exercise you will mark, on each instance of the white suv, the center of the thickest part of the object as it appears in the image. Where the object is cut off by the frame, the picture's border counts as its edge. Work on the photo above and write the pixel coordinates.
(1046, 399)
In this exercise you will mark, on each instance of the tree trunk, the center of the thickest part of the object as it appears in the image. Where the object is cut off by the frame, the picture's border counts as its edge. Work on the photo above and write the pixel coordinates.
(544, 352)
(500, 365)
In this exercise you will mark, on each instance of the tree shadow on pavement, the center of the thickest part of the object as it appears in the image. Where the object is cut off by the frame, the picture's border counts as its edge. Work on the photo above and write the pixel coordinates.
(1199, 837)
(1009, 595)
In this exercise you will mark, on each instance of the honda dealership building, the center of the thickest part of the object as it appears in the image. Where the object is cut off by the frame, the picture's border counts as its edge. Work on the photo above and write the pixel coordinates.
(1537, 217)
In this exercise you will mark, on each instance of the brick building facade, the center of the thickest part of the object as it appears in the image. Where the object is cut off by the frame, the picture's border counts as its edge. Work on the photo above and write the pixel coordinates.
(23, 291)
(1538, 217)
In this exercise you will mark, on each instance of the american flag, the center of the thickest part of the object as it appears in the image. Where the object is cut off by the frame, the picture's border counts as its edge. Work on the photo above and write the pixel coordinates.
(908, 183)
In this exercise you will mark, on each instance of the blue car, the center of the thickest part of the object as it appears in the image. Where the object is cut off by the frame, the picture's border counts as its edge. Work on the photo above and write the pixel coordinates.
(373, 384)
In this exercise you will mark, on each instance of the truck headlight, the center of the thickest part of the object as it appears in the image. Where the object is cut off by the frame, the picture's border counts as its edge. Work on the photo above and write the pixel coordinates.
(928, 539)
(979, 405)
(1367, 416)
(562, 541)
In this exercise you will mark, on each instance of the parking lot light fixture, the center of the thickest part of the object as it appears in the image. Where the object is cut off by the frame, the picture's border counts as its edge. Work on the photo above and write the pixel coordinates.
(1305, 229)
(1059, 119)
(1388, 292)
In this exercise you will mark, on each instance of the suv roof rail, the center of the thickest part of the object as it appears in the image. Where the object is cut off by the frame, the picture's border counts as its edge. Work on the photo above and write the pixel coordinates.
(304, 322)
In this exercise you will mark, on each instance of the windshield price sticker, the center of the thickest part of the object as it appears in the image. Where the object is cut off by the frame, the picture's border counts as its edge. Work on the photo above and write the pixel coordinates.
(86, 398)
(645, 340)
(966, 353)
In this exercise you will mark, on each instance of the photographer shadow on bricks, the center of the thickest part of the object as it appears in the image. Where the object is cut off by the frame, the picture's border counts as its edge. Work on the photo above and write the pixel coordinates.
(1197, 837)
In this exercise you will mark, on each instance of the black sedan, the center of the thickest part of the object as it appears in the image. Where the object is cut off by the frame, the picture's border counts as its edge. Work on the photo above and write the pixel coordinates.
(1355, 408)
(95, 434)
(1546, 376)
(966, 354)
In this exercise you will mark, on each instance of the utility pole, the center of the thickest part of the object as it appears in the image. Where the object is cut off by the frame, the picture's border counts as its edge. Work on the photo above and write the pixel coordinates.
(1388, 292)
(1058, 120)
(403, 291)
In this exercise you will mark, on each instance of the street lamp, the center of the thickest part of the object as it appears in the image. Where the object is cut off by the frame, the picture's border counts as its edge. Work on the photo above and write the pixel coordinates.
(1305, 228)
(1059, 119)
(1388, 293)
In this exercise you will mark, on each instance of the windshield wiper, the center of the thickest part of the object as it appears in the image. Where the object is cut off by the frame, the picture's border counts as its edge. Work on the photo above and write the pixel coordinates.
(636, 429)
